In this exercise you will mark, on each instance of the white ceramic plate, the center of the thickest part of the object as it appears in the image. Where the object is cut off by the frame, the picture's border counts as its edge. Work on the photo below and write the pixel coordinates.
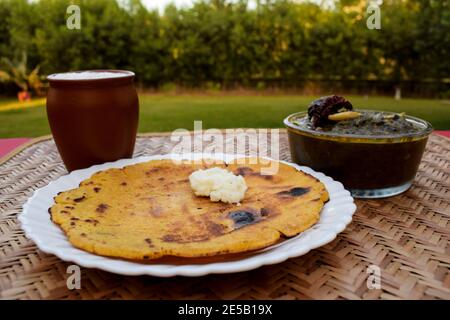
(35, 219)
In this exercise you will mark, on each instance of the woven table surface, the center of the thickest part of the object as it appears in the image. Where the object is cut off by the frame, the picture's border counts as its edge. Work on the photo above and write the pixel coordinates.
(406, 236)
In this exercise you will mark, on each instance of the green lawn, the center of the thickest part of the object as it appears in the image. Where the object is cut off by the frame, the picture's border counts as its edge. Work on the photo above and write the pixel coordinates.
(166, 112)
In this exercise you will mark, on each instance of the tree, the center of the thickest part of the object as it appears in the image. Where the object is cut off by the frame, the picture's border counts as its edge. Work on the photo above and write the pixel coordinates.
(17, 72)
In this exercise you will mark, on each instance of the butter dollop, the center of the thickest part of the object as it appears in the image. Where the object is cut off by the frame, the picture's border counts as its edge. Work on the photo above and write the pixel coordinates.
(219, 184)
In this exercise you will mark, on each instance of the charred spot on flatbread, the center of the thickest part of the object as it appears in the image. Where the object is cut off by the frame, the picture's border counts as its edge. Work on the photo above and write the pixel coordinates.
(294, 192)
(101, 208)
(79, 199)
(242, 218)
(246, 171)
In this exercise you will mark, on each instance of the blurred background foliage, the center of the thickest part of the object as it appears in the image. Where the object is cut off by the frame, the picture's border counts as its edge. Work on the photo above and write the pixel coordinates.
(217, 44)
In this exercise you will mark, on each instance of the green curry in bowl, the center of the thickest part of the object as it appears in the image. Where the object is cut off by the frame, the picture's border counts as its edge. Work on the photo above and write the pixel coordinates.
(375, 154)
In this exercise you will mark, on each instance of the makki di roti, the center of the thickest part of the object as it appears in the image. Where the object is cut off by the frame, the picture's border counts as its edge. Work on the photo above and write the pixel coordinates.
(148, 211)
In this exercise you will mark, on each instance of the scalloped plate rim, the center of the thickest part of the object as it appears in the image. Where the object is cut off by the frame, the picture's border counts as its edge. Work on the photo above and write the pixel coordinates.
(293, 247)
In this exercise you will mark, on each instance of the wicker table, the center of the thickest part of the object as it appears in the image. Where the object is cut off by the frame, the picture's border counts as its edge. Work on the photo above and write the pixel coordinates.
(406, 236)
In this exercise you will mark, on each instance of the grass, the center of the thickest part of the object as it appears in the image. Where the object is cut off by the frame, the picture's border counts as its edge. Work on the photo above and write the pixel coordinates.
(12, 105)
(167, 112)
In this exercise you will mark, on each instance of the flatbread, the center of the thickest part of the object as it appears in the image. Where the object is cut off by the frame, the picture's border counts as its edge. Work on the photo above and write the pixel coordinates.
(148, 211)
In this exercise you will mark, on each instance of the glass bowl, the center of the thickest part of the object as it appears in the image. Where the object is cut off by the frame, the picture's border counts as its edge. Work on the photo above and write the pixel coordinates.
(370, 166)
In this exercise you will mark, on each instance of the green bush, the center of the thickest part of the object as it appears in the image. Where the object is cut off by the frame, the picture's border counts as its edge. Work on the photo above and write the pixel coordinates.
(228, 44)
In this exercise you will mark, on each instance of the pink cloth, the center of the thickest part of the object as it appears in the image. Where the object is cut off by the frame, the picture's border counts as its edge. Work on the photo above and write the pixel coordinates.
(7, 145)
(443, 133)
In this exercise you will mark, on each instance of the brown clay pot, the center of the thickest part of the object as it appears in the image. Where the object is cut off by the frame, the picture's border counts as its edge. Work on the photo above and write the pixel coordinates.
(93, 120)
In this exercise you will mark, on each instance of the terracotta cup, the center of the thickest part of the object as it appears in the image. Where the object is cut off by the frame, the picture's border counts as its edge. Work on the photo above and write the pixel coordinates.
(93, 120)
